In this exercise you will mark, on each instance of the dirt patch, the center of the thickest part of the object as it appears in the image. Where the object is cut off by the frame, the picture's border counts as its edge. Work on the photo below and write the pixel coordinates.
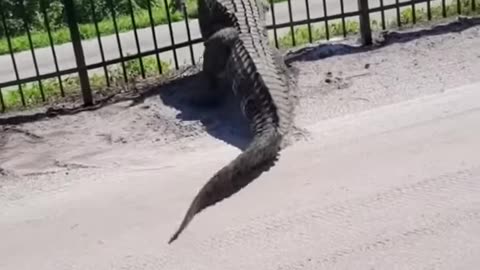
(341, 78)
(154, 119)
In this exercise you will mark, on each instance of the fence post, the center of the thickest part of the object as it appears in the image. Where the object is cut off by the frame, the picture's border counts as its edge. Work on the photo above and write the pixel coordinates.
(365, 30)
(78, 49)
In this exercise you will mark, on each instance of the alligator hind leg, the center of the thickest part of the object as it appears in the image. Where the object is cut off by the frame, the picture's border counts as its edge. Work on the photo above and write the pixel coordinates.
(215, 58)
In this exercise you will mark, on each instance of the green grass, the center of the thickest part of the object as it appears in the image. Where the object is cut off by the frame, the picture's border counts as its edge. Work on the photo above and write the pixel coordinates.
(352, 26)
(40, 38)
(72, 86)
(87, 31)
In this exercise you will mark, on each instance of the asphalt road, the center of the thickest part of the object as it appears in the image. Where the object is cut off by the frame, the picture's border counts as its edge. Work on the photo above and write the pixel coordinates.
(66, 58)
(395, 187)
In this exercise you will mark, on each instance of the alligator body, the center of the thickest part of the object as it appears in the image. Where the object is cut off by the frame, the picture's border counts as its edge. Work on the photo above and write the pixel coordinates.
(237, 51)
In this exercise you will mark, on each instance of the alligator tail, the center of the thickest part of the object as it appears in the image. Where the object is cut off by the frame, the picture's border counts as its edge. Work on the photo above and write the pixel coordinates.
(260, 156)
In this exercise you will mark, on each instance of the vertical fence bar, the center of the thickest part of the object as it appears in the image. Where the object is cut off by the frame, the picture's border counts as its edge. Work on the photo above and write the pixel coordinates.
(12, 55)
(2, 102)
(79, 56)
(172, 38)
(429, 10)
(459, 7)
(382, 13)
(52, 46)
(99, 39)
(137, 42)
(474, 5)
(399, 17)
(342, 11)
(307, 7)
(189, 37)
(32, 49)
(444, 9)
(290, 17)
(117, 35)
(327, 30)
(275, 35)
(154, 35)
(365, 30)
(414, 14)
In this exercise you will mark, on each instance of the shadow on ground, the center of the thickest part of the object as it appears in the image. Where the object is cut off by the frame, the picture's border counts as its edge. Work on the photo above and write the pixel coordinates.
(224, 121)
(384, 39)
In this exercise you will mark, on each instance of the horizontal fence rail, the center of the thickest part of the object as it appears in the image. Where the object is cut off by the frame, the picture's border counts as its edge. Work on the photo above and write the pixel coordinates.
(31, 34)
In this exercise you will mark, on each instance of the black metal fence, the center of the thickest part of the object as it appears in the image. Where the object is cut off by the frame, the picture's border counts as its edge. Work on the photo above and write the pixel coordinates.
(348, 16)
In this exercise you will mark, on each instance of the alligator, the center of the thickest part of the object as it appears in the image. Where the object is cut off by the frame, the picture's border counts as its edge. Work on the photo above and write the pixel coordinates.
(237, 51)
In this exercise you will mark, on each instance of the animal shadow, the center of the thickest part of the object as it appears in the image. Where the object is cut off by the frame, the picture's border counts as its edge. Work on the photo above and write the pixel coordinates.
(223, 120)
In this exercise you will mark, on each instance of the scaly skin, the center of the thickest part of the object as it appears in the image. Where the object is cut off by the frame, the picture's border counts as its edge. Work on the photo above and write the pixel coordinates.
(237, 50)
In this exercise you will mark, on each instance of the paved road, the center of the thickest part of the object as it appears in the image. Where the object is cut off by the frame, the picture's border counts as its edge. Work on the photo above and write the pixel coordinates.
(92, 53)
(392, 188)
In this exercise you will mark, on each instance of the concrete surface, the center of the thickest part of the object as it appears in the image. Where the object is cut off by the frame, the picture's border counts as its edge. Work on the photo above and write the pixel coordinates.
(392, 188)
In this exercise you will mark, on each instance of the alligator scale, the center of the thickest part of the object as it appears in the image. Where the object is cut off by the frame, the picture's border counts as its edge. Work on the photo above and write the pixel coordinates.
(237, 51)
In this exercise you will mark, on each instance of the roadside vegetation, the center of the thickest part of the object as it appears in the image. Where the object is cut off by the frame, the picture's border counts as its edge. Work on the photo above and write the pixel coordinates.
(336, 28)
(51, 87)
(40, 14)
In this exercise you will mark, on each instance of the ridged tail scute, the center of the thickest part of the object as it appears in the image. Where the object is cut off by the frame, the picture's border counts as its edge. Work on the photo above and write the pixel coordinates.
(259, 157)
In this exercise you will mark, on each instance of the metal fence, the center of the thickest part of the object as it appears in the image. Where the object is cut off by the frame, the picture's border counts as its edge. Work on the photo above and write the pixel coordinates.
(19, 92)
